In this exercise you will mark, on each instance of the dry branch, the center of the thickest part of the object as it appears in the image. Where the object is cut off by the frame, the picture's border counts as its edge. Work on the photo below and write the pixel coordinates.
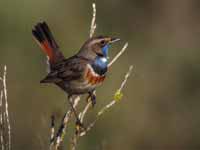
(118, 54)
(5, 129)
(56, 141)
(1, 121)
(93, 22)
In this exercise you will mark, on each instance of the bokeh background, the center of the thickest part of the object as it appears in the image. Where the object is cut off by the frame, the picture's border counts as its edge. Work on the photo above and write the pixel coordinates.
(161, 105)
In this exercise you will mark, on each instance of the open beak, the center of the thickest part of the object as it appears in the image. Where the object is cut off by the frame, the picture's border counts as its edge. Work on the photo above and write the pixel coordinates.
(113, 40)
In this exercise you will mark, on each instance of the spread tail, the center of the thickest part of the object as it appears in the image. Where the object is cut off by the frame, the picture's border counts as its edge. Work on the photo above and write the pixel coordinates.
(46, 41)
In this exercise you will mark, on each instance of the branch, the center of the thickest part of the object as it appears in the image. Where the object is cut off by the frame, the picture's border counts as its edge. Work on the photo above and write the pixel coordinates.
(118, 54)
(56, 141)
(93, 22)
(1, 122)
(6, 105)
(5, 129)
(82, 114)
(52, 128)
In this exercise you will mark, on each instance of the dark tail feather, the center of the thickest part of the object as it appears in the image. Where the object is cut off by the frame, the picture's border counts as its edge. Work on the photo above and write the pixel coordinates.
(46, 41)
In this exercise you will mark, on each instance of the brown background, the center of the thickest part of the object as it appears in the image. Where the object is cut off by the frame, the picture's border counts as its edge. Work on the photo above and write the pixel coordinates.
(160, 108)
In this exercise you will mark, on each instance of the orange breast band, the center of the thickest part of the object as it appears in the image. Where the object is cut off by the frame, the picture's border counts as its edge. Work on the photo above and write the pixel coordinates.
(92, 77)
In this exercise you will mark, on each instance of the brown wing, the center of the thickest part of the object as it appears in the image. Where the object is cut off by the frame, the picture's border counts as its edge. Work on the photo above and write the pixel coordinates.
(67, 70)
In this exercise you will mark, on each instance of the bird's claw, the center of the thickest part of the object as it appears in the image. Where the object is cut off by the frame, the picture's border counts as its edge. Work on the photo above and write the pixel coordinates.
(93, 100)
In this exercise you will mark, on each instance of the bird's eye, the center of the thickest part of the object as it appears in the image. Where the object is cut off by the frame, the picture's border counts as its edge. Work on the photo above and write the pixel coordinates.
(103, 42)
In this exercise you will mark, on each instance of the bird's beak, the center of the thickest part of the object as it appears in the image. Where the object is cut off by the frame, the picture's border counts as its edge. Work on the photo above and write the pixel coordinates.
(113, 40)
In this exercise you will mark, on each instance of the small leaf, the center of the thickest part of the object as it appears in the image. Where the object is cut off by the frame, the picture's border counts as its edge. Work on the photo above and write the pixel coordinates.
(118, 95)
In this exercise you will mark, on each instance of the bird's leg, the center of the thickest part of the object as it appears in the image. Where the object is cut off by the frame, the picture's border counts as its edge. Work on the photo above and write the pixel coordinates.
(92, 97)
(79, 124)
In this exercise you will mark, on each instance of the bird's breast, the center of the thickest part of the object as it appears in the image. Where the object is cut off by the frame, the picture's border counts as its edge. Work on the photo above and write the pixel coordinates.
(90, 81)
(91, 77)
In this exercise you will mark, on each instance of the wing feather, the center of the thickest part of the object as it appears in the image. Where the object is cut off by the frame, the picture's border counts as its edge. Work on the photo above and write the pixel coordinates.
(67, 70)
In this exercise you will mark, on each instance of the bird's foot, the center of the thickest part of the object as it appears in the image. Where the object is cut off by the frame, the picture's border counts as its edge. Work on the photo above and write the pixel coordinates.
(93, 100)
(92, 97)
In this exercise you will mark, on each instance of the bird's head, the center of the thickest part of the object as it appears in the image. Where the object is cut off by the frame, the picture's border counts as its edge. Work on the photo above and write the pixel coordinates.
(97, 46)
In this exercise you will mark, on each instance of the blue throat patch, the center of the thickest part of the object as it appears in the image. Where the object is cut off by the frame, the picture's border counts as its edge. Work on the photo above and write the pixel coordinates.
(100, 65)
(105, 50)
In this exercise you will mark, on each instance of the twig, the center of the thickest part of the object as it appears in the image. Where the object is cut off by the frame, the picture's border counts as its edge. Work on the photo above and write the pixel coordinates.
(74, 142)
(77, 134)
(5, 129)
(52, 128)
(93, 22)
(74, 139)
(82, 115)
(1, 121)
(56, 142)
(6, 106)
(118, 54)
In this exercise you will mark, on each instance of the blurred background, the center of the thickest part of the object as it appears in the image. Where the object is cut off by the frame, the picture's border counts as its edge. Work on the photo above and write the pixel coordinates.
(160, 109)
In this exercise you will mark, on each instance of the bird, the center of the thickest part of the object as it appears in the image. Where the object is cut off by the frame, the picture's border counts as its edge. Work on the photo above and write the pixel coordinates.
(80, 73)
